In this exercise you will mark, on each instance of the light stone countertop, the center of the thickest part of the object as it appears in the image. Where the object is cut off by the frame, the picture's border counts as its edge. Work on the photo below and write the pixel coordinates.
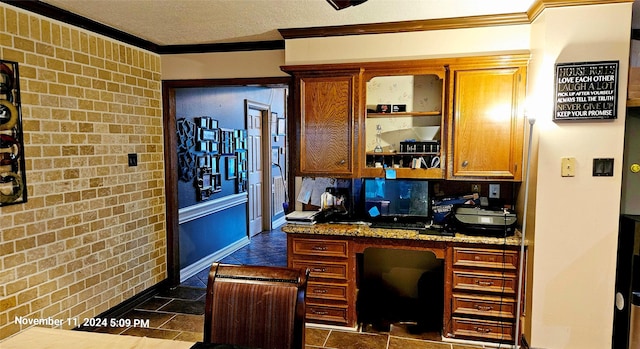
(363, 230)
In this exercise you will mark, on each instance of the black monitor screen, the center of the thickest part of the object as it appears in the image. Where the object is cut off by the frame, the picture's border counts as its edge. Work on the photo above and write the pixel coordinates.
(397, 198)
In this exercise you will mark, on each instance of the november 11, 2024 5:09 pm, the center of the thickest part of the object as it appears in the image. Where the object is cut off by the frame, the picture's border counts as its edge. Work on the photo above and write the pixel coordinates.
(86, 322)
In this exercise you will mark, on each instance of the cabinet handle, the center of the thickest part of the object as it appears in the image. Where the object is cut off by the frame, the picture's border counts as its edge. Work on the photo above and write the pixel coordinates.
(482, 329)
(319, 248)
(315, 312)
(319, 270)
(465, 163)
(343, 161)
(483, 307)
(320, 290)
(484, 283)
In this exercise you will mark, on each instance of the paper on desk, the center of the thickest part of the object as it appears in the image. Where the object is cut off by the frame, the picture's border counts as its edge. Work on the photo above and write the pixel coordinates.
(312, 188)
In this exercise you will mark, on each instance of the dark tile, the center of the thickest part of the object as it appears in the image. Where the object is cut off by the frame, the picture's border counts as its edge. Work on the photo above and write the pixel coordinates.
(102, 329)
(315, 336)
(462, 346)
(154, 303)
(151, 332)
(404, 331)
(355, 340)
(184, 307)
(156, 319)
(190, 336)
(194, 281)
(183, 292)
(403, 343)
(185, 323)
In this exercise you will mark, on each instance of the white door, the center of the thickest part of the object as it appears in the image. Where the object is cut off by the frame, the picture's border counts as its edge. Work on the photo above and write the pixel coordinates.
(255, 114)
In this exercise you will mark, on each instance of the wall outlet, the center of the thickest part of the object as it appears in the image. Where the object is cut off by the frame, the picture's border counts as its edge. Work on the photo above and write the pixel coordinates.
(568, 167)
(494, 191)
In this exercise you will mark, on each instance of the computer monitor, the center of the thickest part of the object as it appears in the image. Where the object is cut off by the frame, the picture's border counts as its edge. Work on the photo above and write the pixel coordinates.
(397, 199)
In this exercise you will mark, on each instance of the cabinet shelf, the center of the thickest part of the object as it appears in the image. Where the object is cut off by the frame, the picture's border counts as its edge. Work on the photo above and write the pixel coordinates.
(397, 153)
(416, 113)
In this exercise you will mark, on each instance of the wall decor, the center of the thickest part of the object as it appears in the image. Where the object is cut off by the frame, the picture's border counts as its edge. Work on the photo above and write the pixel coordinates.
(13, 178)
(282, 127)
(198, 160)
(241, 179)
(586, 91)
(231, 167)
(274, 123)
(227, 142)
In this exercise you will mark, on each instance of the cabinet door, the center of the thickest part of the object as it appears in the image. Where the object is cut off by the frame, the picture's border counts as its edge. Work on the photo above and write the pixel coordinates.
(487, 123)
(327, 124)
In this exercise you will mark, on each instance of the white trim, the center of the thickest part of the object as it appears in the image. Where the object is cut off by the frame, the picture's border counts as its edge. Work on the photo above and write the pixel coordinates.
(278, 222)
(209, 207)
(205, 262)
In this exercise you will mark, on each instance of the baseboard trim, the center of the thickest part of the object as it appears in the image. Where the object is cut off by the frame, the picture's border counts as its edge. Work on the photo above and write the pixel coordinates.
(278, 222)
(130, 304)
(206, 261)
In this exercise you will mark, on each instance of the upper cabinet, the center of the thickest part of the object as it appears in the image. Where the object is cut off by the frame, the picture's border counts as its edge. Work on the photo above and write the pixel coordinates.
(326, 123)
(486, 121)
(404, 122)
(458, 118)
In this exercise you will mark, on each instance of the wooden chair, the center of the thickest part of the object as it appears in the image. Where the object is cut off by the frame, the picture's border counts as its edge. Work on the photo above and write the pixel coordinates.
(255, 306)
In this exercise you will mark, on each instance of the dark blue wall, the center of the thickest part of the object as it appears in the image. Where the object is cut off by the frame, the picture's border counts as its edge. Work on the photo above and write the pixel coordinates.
(204, 236)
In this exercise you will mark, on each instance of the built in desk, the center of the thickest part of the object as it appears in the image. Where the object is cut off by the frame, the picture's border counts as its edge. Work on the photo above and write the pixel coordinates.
(480, 275)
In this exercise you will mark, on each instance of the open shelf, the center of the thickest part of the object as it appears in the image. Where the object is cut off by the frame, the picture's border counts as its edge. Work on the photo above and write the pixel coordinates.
(416, 113)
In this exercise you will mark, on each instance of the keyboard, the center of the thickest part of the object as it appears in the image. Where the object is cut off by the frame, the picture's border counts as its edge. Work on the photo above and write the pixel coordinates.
(420, 227)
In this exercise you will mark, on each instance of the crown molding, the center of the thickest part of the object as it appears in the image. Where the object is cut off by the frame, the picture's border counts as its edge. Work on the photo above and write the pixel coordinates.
(406, 26)
(58, 14)
(540, 5)
(528, 17)
(441, 23)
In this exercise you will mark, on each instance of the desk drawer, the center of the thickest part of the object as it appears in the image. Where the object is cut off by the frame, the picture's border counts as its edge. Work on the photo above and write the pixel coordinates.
(497, 283)
(327, 291)
(482, 329)
(323, 270)
(485, 258)
(467, 305)
(317, 247)
(334, 314)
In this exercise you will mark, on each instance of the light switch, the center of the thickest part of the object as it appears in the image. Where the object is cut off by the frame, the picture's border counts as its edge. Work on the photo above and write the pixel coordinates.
(568, 167)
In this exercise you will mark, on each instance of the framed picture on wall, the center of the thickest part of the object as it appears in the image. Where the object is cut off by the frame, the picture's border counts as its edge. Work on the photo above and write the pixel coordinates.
(282, 127)
(231, 167)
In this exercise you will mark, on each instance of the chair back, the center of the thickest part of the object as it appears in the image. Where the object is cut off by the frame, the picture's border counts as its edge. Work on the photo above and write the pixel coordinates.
(255, 306)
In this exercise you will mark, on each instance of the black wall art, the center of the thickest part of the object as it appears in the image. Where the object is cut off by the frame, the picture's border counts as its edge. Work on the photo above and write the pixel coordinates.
(13, 178)
(202, 148)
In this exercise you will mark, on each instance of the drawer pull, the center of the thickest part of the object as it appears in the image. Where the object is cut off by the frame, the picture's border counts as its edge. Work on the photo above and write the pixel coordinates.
(316, 312)
(484, 283)
(319, 248)
(483, 307)
(482, 329)
(320, 290)
(319, 270)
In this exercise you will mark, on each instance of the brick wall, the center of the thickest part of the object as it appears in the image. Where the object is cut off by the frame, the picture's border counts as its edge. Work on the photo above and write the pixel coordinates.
(92, 233)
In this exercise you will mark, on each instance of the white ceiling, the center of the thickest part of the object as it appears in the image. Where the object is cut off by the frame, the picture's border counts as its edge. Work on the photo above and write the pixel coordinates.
(191, 22)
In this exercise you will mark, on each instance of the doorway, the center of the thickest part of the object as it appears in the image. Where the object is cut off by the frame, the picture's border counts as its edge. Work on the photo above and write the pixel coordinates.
(218, 236)
(259, 174)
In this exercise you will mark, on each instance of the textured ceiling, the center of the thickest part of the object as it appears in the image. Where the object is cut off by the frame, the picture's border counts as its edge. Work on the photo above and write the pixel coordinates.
(192, 22)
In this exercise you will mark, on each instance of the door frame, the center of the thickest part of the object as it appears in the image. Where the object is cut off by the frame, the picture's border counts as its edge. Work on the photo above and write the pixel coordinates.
(265, 135)
(171, 157)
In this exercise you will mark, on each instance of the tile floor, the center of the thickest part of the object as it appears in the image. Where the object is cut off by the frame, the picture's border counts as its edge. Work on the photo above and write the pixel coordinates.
(178, 313)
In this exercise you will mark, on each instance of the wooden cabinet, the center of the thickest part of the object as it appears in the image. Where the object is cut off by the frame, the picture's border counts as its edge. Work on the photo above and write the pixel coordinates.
(326, 123)
(478, 108)
(486, 121)
(483, 294)
(331, 287)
